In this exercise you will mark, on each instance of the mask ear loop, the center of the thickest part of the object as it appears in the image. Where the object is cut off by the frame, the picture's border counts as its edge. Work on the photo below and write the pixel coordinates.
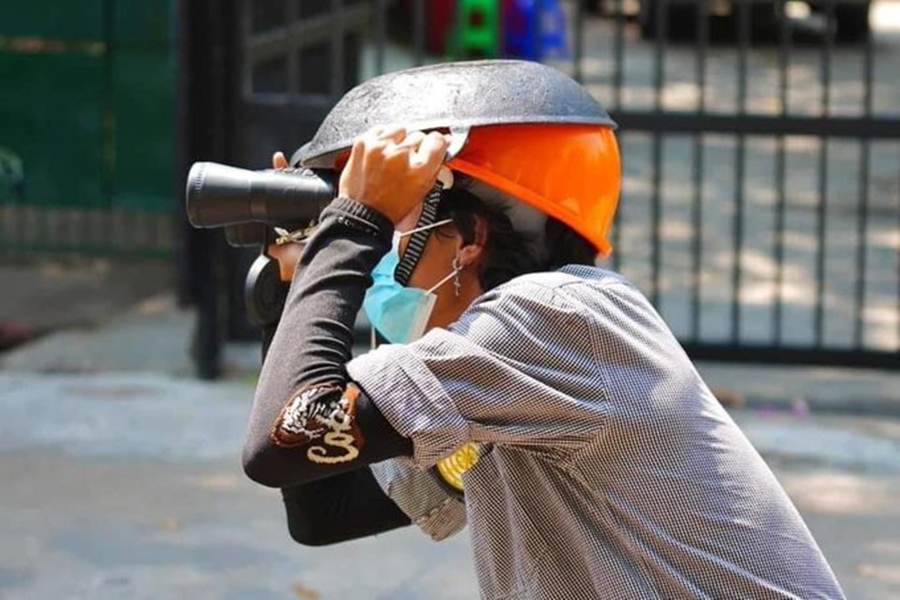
(425, 228)
(454, 275)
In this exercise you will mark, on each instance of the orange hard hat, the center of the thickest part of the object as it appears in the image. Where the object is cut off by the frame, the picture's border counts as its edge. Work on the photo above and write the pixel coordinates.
(529, 131)
(571, 172)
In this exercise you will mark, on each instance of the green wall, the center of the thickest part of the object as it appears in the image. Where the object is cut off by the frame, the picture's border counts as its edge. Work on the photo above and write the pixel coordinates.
(87, 106)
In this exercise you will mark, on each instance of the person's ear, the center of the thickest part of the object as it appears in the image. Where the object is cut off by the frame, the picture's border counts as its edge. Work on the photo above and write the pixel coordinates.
(472, 253)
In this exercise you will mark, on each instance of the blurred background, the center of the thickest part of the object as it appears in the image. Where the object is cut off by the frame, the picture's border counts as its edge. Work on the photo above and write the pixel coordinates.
(760, 212)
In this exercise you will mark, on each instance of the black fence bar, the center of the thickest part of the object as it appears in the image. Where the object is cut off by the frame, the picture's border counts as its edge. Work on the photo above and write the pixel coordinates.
(699, 164)
(419, 26)
(781, 175)
(337, 48)
(699, 161)
(822, 212)
(659, 74)
(862, 217)
(538, 8)
(293, 55)
(619, 55)
(380, 34)
(737, 232)
(618, 78)
(90, 225)
(743, 33)
(656, 219)
(578, 43)
(659, 64)
(209, 91)
(821, 231)
(862, 234)
(865, 127)
(779, 233)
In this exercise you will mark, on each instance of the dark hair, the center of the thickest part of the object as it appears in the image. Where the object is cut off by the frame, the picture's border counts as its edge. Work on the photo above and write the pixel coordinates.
(508, 252)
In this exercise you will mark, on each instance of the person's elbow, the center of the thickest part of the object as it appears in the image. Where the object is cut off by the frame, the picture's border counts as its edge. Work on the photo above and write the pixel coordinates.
(308, 533)
(264, 464)
(255, 466)
(265, 461)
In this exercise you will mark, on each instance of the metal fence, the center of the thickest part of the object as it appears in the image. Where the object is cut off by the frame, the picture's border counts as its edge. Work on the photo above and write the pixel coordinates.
(760, 139)
(761, 201)
(87, 127)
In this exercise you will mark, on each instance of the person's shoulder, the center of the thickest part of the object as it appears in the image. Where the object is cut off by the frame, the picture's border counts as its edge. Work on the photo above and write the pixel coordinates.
(570, 275)
(566, 290)
(570, 289)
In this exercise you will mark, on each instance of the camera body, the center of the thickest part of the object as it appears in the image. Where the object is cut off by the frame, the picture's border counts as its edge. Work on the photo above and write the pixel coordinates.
(249, 205)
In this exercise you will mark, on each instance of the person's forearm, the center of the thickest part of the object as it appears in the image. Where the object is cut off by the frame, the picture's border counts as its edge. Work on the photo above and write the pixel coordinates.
(315, 335)
(341, 508)
(307, 357)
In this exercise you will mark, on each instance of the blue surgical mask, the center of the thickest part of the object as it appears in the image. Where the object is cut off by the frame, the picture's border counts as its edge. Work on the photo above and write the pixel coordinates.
(399, 313)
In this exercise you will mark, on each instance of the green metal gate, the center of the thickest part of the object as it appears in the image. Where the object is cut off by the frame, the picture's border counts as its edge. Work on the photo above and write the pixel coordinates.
(87, 126)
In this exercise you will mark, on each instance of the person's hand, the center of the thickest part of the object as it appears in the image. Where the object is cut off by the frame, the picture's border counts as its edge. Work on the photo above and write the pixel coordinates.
(287, 255)
(392, 171)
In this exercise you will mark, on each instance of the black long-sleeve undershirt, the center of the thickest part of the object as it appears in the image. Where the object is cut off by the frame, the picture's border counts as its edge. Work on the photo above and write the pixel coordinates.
(339, 509)
(342, 508)
(325, 503)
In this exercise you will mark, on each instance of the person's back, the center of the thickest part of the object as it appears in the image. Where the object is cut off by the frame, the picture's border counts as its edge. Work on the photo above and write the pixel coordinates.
(655, 492)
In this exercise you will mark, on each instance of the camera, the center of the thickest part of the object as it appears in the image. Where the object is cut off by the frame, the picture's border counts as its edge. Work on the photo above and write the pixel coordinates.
(247, 203)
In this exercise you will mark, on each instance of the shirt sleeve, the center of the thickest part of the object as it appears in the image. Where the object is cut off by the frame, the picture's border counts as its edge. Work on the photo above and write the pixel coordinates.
(437, 512)
(308, 421)
(517, 369)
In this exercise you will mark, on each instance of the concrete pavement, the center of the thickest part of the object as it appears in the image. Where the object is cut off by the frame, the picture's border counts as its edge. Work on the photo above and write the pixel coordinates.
(128, 485)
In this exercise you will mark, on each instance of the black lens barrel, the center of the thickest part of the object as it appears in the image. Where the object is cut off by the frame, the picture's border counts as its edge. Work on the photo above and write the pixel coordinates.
(218, 195)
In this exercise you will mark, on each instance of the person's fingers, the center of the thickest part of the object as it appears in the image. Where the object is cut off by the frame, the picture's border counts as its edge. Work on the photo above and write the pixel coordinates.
(431, 151)
(393, 134)
(279, 161)
(412, 140)
(379, 136)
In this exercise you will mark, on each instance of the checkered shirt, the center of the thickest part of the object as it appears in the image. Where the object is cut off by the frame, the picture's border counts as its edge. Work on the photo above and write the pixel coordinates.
(608, 469)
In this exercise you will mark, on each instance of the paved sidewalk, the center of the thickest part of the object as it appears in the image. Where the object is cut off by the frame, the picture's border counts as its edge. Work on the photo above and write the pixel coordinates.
(128, 485)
